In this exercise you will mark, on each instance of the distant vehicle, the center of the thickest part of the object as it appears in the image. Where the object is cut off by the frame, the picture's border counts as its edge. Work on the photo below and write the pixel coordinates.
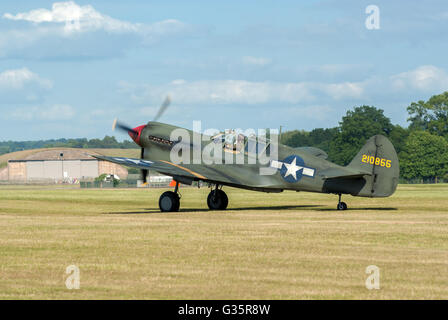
(111, 178)
(373, 172)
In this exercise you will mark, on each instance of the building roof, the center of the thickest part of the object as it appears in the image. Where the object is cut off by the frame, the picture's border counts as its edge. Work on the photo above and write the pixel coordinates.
(55, 154)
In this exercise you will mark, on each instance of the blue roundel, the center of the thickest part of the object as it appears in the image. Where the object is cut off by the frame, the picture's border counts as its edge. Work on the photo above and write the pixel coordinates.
(292, 168)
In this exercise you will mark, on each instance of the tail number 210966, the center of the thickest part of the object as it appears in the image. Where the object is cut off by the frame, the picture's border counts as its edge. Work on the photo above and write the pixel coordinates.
(377, 161)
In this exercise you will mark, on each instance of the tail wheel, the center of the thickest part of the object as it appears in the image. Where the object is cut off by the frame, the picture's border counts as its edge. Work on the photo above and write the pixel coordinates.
(341, 206)
(169, 201)
(217, 200)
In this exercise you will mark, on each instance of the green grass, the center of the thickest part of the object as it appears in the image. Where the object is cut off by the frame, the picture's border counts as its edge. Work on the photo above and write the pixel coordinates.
(266, 246)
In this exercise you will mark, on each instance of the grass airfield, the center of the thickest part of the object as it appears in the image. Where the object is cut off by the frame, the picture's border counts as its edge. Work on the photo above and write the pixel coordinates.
(265, 246)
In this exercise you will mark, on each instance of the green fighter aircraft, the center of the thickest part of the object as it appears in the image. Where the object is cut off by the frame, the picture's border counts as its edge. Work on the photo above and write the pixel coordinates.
(255, 163)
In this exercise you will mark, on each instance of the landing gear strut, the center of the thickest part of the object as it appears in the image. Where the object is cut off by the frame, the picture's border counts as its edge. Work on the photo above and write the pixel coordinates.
(341, 205)
(217, 199)
(169, 201)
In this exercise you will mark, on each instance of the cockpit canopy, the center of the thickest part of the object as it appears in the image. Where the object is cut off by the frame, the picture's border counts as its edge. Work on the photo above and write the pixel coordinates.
(236, 142)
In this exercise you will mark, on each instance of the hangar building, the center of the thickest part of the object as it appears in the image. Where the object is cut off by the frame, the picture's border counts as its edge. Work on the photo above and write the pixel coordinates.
(55, 165)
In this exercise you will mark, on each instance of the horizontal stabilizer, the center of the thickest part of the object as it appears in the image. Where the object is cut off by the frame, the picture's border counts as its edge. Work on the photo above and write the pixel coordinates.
(314, 151)
(343, 173)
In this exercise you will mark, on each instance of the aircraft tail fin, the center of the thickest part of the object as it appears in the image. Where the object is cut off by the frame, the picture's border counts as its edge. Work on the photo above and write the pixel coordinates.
(379, 157)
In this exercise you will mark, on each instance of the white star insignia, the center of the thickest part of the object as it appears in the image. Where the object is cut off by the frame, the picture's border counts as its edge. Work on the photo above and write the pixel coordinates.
(292, 168)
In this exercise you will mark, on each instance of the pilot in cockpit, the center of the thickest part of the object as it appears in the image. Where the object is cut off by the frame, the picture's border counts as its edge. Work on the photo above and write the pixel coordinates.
(234, 141)
(230, 140)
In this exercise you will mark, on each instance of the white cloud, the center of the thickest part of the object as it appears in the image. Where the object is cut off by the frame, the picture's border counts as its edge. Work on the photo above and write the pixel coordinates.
(165, 27)
(424, 78)
(44, 113)
(239, 91)
(69, 30)
(22, 86)
(57, 112)
(372, 90)
(78, 18)
(75, 18)
(339, 91)
(17, 79)
(178, 81)
(257, 61)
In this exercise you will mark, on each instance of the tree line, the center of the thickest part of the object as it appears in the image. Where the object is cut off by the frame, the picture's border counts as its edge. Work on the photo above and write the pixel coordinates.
(105, 143)
(422, 147)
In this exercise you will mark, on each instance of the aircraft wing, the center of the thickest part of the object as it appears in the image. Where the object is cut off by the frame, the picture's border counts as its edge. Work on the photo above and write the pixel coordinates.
(246, 176)
(161, 166)
(343, 173)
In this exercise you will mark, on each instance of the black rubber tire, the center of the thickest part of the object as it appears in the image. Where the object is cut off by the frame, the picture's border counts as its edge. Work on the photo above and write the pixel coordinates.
(218, 201)
(169, 202)
(341, 206)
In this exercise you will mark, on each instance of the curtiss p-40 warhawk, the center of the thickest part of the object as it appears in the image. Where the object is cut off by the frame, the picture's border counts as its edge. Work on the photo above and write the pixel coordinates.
(373, 172)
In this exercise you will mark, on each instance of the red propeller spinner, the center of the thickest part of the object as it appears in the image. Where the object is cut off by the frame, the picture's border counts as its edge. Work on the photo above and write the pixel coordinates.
(136, 133)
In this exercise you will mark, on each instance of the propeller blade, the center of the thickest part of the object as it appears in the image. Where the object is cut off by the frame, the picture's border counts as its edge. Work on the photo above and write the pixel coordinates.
(162, 108)
(123, 127)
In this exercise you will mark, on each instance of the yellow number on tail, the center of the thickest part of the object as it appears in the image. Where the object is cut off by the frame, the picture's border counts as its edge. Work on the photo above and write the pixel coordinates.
(377, 161)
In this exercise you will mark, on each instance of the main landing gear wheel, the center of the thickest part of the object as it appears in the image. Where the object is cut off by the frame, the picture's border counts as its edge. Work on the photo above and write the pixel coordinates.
(341, 205)
(217, 200)
(169, 201)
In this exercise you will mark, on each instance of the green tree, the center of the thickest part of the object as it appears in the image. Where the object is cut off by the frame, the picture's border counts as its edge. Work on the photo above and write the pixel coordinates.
(107, 142)
(356, 127)
(319, 138)
(77, 143)
(110, 142)
(431, 115)
(425, 156)
(4, 149)
(295, 138)
(398, 137)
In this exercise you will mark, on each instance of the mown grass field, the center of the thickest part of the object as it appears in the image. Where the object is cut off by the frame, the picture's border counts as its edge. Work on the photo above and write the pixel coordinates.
(266, 246)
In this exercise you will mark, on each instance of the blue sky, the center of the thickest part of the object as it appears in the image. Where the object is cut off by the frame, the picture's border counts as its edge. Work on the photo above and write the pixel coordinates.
(67, 69)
